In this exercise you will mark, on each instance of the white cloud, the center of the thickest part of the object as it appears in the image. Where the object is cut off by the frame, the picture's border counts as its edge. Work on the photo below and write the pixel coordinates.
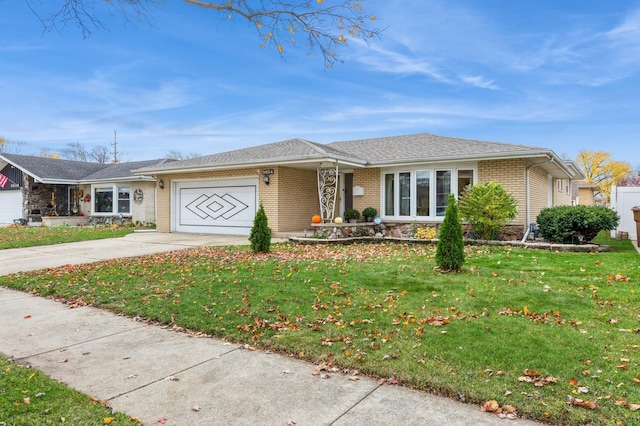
(480, 81)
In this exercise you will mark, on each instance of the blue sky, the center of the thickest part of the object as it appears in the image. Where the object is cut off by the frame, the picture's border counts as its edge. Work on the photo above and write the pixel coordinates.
(564, 75)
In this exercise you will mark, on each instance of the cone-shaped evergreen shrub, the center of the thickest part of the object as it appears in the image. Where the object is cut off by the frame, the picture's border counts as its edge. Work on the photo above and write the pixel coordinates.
(260, 236)
(450, 248)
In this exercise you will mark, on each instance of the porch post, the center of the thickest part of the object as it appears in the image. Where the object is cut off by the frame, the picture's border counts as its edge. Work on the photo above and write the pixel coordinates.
(327, 191)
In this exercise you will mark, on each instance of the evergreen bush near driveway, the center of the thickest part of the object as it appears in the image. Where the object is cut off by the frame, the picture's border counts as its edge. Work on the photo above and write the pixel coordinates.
(260, 236)
(450, 248)
(487, 207)
(575, 224)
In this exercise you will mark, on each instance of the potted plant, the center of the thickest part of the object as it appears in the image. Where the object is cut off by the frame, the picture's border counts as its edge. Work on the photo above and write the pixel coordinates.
(369, 213)
(352, 215)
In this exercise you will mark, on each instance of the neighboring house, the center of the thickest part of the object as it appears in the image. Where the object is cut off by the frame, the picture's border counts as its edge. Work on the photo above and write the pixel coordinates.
(43, 186)
(406, 178)
(584, 193)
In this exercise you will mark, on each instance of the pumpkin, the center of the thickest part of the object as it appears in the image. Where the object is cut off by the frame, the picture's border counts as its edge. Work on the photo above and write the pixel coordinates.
(316, 218)
(338, 220)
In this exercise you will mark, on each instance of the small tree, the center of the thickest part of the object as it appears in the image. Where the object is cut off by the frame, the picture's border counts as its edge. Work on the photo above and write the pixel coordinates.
(260, 236)
(487, 207)
(450, 248)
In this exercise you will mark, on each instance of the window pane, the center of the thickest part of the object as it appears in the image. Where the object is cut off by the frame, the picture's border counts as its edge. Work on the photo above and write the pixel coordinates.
(389, 195)
(465, 178)
(103, 200)
(443, 189)
(404, 180)
(423, 178)
(123, 199)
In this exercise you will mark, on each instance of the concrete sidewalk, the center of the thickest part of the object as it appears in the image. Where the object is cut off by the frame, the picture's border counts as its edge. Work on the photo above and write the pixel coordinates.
(151, 372)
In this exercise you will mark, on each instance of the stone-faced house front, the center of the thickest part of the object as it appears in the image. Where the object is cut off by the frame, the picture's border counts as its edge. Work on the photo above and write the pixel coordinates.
(40, 187)
(407, 179)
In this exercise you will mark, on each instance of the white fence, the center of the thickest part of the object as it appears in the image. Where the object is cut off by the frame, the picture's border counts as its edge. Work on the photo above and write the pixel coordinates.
(623, 199)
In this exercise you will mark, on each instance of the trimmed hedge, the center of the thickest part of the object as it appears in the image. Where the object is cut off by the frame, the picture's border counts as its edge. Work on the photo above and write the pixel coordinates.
(575, 224)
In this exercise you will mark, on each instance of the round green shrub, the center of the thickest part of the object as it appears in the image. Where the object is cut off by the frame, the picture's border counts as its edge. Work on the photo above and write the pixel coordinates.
(487, 207)
(575, 224)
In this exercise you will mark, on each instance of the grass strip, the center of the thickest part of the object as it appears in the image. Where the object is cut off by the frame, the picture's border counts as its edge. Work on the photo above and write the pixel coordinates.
(532, 329)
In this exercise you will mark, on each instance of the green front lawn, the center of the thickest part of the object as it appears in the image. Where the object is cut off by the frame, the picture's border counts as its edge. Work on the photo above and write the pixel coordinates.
(28, 398)
(22, 236)
(531, 329)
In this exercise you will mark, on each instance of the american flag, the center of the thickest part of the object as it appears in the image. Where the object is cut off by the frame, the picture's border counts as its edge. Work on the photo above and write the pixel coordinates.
(3, 180)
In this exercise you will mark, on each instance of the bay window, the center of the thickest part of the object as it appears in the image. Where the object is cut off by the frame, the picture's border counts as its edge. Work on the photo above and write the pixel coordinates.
(422, 193)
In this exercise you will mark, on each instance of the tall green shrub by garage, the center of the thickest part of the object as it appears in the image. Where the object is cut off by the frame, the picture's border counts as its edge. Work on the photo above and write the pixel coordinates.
(450, 248)
(487, 207)
(575, 224)
(260, 236)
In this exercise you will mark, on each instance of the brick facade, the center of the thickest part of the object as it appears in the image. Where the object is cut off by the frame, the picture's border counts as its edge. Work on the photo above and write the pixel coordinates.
(369, 179)
(289, 200)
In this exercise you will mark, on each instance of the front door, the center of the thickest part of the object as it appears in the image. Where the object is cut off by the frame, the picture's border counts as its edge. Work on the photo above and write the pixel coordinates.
(347, 193)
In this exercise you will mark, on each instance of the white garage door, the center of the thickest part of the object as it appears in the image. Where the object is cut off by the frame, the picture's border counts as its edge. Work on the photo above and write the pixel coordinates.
(226, 206)
(10, 206)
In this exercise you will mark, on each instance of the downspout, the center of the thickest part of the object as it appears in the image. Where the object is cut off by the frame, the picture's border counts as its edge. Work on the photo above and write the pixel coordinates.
(527, 227)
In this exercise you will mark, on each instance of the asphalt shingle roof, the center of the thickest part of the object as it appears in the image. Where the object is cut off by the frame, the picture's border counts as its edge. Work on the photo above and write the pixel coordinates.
(53, 169)
(121, 170)
(284, 150)
(425, 147)
(420, 147)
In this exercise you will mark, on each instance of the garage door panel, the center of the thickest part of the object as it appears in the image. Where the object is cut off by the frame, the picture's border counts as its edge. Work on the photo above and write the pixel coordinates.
(10, 206)
(224, 208)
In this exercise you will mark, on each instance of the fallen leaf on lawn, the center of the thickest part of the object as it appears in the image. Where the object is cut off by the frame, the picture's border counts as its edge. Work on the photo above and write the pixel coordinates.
(27, 400)
(490, 406)
(582, 403)
(583, 389)
(108, 420)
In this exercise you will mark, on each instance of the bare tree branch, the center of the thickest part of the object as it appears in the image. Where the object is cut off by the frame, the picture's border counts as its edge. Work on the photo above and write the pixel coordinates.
(78, 152)
(324, 25)
(8, 146)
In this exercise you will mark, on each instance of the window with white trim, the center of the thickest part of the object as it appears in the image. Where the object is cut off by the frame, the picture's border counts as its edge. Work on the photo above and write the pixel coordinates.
(108, 197)
(422, 193)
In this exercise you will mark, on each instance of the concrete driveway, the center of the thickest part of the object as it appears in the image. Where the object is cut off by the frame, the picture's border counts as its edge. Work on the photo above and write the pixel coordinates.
(136, 244)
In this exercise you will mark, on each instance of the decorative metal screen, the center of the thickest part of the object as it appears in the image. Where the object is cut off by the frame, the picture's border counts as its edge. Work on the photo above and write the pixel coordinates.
(327, 191)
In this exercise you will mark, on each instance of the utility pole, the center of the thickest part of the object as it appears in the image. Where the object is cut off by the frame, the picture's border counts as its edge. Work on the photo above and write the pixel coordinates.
(115, 148)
